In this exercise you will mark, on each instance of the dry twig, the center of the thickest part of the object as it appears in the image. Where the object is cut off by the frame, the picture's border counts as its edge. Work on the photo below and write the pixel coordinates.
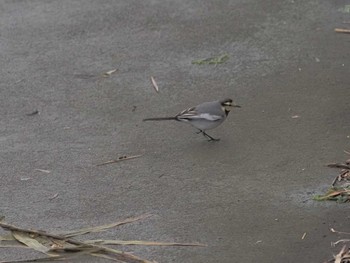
(121, 158)
(342, 30)
(155, 85)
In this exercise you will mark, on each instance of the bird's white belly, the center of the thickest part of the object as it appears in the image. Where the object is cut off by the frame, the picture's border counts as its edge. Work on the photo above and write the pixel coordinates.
(205, 125)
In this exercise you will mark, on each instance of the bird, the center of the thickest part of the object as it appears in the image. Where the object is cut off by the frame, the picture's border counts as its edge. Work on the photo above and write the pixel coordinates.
(205, 116)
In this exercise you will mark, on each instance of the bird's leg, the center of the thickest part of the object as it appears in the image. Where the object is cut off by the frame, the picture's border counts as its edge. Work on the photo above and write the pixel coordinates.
(210, 138)
(199, 131)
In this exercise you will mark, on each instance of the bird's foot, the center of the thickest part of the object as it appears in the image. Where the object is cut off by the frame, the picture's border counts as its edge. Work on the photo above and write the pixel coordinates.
(213, 139)
(210, 139)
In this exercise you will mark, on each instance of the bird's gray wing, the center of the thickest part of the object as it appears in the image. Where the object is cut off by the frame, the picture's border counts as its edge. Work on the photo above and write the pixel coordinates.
(193, 114)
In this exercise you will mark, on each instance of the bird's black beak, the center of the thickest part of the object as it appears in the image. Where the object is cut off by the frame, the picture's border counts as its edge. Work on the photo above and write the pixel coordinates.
(236, 106)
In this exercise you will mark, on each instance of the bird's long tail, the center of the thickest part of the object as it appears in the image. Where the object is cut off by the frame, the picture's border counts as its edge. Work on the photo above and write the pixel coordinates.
(161, 119)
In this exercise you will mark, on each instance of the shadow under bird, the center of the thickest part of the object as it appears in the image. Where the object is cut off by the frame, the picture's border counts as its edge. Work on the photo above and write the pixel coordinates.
(205, 116)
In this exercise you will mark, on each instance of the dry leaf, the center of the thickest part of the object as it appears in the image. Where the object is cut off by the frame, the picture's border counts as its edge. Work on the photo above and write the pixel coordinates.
(60, 247)
(142, 243)
(25, 239)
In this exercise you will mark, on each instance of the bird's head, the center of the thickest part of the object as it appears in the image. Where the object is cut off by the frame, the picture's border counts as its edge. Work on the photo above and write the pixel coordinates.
(227, 105)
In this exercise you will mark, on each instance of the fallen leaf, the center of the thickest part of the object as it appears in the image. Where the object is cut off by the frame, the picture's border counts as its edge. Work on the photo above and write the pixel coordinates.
(25, 238)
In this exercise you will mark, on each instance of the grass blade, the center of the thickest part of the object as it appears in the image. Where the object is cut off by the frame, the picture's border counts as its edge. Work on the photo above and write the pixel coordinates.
(140, 243)
(25, 239)
(87, 230)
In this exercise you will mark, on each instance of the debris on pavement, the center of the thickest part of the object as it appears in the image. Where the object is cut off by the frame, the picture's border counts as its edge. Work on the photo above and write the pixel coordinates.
(342, 30)
(33, 113)
(212, 60)
(109, 73)
(54, 196)
(155, 85)
(25, 178)
(43, 171)
(121, 158)
(343, 255)
(61, 246)
(340, 187)
(338, 232)
(341, 195)
(344, 174)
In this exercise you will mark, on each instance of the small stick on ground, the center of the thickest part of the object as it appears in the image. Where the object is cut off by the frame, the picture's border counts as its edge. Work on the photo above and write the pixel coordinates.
(33, 113)
(109, 73)
(338, 165)
(154, 83)
(121, 158)
(303, 237)
(342, 30)
(338, 232)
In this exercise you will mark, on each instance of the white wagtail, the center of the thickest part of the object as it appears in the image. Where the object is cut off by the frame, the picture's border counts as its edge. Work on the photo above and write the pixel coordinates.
(205, 116)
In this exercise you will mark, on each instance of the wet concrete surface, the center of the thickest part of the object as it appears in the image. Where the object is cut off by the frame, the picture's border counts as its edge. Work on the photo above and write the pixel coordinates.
(249, 196)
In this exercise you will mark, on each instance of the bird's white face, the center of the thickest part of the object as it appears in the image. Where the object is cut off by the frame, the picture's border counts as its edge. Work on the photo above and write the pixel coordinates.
(227, 105)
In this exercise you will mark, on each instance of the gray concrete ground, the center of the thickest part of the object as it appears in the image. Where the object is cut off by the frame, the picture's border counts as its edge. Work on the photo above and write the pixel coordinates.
(248, 197)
